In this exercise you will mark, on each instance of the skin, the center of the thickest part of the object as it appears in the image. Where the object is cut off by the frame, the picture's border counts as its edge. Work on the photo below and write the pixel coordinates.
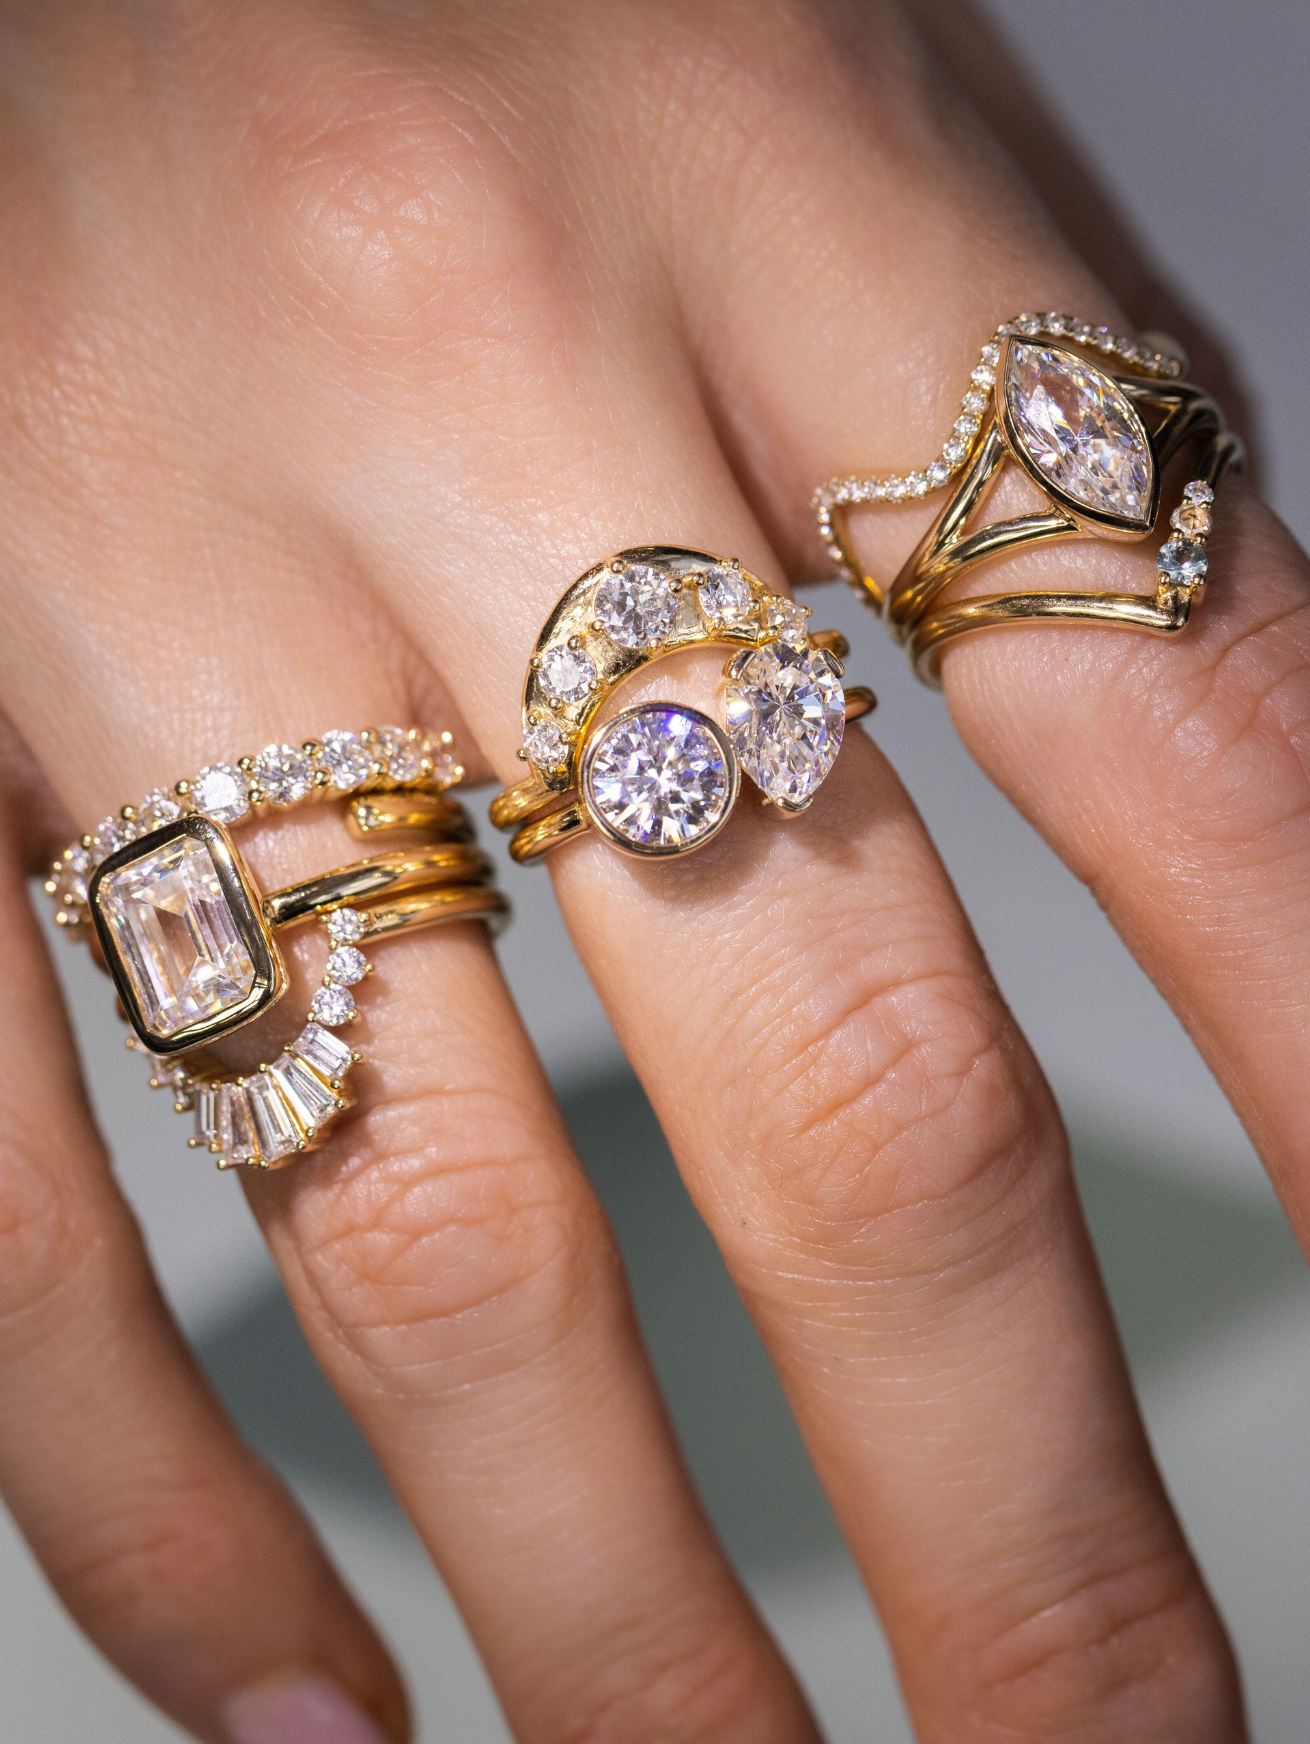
(335, 340)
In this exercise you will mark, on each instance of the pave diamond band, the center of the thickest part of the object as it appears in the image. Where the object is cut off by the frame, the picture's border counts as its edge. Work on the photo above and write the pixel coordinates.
(175, 916)
(660, 779)
(1095, 442)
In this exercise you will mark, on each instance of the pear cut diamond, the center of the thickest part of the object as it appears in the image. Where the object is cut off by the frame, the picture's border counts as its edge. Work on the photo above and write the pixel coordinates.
(786, 712)
(1080, 432)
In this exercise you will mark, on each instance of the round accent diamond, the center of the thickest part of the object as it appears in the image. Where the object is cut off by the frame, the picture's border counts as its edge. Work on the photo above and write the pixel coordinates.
(567, 674)
(159, 808)
(347, 759)
(346, 965)
(1182, 562)
(786, 712)
(345, 925)
(221, 792)
(284, 773)
(547, 745)
(636, 606)
(725, 594)
(332, 1006)
(660, 779)
(113, 833)
(1198, 492)
(402, 755)
(788, 621)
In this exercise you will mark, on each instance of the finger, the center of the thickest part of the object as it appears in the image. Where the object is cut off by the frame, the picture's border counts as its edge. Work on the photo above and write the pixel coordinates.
(1170, 776)
(455, 1275)
(179, 1554)
(862, 1128)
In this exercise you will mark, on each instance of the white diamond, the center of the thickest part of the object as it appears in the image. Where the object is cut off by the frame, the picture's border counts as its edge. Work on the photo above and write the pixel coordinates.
(975, 402)
(725, 594)
(220, 791)
(917, 484)
(1080, 431)
(113, 833)
(402, 754)
(346, 965)
(332, 1006)
(636, 605)
(954, 451)
(347, 759)
(275, 1124)
(660, 778)
(206, 1128)
(326, 1053)
(568, 674)
(547, 744)
(788, 621)
(177, 936)
(1183, 562)
(311, 1100)
(345, 925)
(285, 773)
(236, 1127)
(786, 712)
(1198, 492)
(158, 808)
(938, 473)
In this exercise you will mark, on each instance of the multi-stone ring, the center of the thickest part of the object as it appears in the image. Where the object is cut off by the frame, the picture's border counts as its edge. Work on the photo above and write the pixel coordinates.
(168, 905)
(660, 778)
(1042, 398)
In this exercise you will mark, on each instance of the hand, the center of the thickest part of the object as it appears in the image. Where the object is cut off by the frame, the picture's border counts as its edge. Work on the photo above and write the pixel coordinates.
(337, 339)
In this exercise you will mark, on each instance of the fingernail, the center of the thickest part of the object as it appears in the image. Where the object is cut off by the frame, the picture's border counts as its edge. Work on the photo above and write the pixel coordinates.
(301, 1710)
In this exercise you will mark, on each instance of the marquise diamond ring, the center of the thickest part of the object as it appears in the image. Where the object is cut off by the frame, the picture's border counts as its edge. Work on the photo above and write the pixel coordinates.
(169, 907)
(660, 778)
(1093, 420)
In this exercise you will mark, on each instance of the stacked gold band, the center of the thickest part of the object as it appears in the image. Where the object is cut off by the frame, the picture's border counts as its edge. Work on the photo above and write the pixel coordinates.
(661, 779)
(1030, 404)
(173, 914)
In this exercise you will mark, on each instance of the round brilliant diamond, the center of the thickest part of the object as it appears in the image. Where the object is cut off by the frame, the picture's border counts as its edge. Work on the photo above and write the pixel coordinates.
(346, 965)
(284, 773)
(347, 759)
(725, 594)
(345, 925)
(159, 808)
(567, 674)
(221, 792)
(332, 1006)
(659, 779)
(402, 755)
(547, 745)
(636, 606)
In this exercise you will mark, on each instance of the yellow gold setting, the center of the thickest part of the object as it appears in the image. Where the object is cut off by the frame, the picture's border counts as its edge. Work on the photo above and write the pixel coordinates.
(1036, 379)
(660, 779)
(174, 915)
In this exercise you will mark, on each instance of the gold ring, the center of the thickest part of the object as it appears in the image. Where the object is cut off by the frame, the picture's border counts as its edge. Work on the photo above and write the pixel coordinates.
(660, 779)
(1094, 441)
(174, 915)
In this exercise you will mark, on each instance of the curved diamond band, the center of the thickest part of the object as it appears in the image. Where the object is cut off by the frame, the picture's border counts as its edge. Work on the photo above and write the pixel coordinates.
(174, 915)
(661, 779)
(1096, 445)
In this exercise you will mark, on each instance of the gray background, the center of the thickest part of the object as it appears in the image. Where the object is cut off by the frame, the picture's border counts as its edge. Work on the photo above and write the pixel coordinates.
(1193, 117)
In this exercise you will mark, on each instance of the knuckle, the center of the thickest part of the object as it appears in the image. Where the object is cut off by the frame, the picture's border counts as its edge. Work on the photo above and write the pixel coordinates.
(45, 1240)
(151, 1563)
(1135, 1644)
(688, 1691)
(402, 202)
(898, 1111)
(452, 1233)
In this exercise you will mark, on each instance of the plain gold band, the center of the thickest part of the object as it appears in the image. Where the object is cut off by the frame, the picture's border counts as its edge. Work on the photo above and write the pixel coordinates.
(406, 869)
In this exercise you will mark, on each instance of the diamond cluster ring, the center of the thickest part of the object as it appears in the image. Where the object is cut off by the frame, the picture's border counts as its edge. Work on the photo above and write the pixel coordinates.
(660, 779)
(1092, 420)
(169, 907)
